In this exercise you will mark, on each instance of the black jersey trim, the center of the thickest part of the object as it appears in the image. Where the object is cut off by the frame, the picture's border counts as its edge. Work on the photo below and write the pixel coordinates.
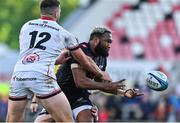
(17, 98)
(74, 48)
(49, 95)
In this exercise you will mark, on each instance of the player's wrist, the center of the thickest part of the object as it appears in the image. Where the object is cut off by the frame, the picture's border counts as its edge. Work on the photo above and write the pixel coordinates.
(100, 75)
(121, 92)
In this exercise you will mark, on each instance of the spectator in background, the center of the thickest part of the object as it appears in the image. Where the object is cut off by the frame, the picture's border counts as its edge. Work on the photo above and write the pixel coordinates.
(162, 109)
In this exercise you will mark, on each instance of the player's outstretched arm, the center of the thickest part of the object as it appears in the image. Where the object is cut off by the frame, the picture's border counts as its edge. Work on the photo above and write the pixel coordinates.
(118, 88)
(82, 81)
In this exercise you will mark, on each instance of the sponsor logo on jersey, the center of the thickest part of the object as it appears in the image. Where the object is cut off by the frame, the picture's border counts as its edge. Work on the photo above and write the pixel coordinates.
(101, 66)
(30, 58)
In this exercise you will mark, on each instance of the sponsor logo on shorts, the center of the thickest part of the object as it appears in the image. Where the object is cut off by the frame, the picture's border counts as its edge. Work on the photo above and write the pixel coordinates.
(80, 99)
(23, 79)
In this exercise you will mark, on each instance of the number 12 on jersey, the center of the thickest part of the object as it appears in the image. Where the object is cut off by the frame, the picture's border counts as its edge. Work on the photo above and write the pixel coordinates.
(45, 37)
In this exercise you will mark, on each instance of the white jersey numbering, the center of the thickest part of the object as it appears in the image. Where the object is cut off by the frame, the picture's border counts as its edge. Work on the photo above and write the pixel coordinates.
(41, 41)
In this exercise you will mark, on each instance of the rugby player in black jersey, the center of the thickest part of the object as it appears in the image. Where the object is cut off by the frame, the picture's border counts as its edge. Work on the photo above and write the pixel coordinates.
(75, 81)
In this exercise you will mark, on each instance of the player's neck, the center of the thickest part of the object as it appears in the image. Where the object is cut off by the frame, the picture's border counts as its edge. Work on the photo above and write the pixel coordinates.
(48, 17)
(92, 47)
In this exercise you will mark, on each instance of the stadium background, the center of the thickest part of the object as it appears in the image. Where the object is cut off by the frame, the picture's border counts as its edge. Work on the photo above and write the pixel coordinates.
(146, 37)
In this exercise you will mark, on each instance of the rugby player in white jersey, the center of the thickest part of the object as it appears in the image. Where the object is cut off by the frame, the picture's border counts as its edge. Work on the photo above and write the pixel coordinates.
(41, 42)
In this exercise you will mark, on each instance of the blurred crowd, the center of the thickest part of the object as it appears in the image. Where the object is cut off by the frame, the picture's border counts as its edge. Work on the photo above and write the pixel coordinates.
(152, 107)
(3, 107)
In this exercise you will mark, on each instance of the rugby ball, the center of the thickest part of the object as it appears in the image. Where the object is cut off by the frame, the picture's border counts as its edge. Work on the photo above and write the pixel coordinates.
(157, 81)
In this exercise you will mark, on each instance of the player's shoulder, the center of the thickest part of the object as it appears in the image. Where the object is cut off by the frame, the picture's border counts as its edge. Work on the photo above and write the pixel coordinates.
(65, 32)
(84, 45)
(86, 48)
(67, 35)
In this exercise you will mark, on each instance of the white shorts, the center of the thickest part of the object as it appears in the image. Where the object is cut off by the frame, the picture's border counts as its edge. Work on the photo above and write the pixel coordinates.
(24, 84)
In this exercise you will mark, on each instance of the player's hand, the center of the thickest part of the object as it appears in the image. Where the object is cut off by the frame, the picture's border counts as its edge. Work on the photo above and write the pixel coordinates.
(33, 107)
(94, 111)
(122, 84)
(131, 93)
(113, 87)
(63, 57)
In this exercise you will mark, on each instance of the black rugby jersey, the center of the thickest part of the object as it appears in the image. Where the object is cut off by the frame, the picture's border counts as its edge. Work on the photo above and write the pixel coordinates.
(65, 78)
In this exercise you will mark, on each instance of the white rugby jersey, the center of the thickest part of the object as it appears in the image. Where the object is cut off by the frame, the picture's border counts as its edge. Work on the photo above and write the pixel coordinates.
(41, 41)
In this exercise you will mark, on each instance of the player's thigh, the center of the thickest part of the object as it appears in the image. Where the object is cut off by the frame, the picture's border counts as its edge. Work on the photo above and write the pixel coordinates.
(18, 93)
(58, 106)
(85, 116)
(16, 110)
(17, 100)
(16, 106)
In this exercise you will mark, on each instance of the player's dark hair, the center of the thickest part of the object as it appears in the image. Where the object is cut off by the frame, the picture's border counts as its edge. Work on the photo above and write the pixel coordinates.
(47, 7)
(98, 32)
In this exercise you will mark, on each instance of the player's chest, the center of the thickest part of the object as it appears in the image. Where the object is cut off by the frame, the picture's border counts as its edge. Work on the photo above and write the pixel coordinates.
(100, 62)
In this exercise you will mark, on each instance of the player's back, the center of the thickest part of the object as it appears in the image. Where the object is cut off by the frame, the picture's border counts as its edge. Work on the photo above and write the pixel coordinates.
(41, 41)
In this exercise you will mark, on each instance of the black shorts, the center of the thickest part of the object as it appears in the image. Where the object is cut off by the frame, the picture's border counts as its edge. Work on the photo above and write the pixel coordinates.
(74, 103)
(80, 101)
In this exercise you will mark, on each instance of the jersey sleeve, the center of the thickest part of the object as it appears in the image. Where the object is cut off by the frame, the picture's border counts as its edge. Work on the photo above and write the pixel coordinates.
(85, 49)
(71, 42)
